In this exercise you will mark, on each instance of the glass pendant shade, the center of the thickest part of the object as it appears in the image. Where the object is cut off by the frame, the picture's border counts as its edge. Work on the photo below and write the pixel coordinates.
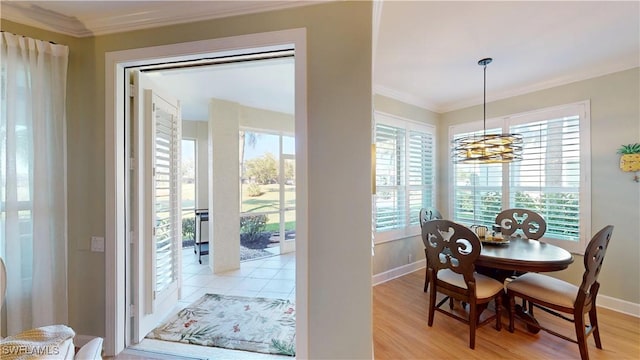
(487, 148)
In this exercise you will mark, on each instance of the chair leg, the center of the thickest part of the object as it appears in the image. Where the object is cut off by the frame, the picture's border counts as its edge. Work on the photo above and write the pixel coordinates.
(498, 300)
(426, 280)
(473, 321)
(581, 337)
(593, 319)
(432, 304)
(512, 311)
(426, 273)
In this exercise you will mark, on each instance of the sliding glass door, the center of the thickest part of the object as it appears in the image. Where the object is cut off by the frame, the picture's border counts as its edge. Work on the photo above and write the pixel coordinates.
(267, 191)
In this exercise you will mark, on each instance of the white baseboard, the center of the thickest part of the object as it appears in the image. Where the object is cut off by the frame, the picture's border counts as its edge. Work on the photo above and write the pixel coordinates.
(607, 302)
(397, 272)
(622, 306)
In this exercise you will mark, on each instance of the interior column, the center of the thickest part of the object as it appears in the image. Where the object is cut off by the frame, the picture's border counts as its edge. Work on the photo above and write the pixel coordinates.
(224, 186)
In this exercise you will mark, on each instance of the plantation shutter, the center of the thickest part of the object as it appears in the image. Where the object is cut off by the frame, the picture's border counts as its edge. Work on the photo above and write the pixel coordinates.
(167, 212)
(405, 176)
(390, 168)
(477, 194)
(547, 180)
(421, 177)
(552, 179)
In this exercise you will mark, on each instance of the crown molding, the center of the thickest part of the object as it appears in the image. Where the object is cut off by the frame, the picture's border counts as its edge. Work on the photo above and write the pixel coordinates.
(406, 98)
(41, 18)
(605, 69)
(170, 13)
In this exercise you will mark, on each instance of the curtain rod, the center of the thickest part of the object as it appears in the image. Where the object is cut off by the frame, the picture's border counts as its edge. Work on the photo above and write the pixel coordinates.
(24, 36)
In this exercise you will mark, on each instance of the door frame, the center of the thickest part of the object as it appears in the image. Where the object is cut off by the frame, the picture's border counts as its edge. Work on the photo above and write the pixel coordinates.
(116, 164)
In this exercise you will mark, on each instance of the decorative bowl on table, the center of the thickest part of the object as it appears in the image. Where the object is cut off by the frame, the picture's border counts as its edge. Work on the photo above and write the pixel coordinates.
(494, 240)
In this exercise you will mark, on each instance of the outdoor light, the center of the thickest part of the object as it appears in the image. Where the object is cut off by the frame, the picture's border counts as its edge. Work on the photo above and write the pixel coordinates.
(488, 148)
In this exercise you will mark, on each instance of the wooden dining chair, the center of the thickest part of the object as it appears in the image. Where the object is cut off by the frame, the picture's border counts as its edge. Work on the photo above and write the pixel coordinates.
(556, 296)
(452, 250)
(428, 214)
(532, 224)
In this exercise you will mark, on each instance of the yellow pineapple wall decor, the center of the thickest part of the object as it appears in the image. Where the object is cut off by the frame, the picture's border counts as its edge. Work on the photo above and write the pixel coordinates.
(630, 159)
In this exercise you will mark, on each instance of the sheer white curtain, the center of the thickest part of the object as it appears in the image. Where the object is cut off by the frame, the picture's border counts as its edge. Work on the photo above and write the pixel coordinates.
(33, 205)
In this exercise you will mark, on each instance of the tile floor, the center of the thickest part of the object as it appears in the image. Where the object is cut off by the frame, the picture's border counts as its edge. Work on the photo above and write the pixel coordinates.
(272, 277)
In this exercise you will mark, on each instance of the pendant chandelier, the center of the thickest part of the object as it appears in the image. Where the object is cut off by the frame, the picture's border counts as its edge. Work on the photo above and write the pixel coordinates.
(488, 148)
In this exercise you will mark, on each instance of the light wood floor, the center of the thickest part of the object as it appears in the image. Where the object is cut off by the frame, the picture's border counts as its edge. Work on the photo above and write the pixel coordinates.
(400, 331)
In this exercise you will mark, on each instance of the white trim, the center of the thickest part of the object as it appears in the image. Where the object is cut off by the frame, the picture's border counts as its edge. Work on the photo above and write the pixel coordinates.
(618, 305)
(415, 100)
(403, 122)
(406, 98)
(166, 13)
(605, 69)
(395, 273)
(115, 62)
(408, 125)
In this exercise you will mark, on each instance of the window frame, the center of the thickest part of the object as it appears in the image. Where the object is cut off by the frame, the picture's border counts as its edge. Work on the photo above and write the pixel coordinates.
(581, 108)
(408, 125)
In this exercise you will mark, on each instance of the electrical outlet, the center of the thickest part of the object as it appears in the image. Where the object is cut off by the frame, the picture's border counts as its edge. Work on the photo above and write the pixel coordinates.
(97, 244)
(410, 258)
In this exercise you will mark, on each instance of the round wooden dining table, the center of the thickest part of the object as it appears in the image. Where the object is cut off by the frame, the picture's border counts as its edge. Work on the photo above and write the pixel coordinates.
(524, 255)
(501, 261)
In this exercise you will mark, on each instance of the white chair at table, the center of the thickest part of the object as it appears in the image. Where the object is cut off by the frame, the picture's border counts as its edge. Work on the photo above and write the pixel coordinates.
(60, 337)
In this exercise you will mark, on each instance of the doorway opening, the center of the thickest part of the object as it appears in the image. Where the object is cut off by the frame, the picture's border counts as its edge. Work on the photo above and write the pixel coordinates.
(164, 296)
(118, 312)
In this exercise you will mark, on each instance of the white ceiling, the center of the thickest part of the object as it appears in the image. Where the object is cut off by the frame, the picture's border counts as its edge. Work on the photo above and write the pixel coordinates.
(264, 84)
(426, 52)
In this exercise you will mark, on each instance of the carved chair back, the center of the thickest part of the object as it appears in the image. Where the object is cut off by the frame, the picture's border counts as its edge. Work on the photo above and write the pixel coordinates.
(593, 258)
(428, 214)
(531, 223)
(450, 245)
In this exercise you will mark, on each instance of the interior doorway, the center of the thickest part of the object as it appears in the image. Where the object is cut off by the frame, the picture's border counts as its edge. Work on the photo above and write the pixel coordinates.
(117, 311)
(231, 95)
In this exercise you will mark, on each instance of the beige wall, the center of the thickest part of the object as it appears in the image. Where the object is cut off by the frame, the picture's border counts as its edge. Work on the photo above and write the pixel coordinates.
(85, 182)
(339, 122)
(615, 197)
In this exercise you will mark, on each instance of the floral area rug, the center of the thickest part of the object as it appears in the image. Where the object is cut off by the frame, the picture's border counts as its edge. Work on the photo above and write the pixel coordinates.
(234, 322)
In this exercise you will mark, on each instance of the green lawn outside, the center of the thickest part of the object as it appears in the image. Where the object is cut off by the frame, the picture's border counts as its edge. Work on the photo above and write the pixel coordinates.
(267, 202)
